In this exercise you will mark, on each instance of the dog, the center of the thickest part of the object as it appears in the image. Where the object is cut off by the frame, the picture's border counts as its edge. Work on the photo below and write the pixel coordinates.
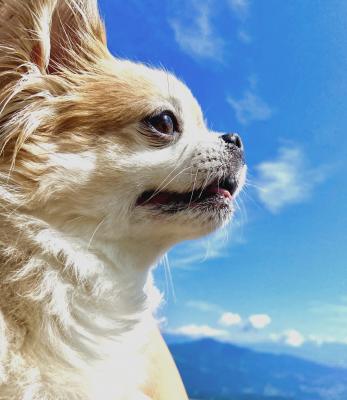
(105, 164)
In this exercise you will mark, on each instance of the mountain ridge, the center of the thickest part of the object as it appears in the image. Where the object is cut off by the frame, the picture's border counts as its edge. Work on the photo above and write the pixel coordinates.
(211, 368)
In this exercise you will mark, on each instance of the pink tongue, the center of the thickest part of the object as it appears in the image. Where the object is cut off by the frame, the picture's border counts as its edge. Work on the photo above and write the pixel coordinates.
(222, 192)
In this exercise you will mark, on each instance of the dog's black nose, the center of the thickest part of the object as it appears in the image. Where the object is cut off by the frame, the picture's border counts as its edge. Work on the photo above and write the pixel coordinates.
(233, 138)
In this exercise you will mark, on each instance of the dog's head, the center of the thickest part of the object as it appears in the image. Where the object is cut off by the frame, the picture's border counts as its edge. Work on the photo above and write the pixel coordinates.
(104, 147)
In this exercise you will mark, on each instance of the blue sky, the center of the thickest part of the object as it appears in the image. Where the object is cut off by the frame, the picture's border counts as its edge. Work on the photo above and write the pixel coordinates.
(274, 71)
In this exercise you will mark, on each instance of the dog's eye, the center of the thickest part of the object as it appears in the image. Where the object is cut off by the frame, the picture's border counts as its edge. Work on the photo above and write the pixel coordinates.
(164, 123)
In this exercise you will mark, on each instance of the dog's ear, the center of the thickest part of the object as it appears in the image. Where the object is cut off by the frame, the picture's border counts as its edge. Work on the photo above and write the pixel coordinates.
(52, 34)
(77, 35)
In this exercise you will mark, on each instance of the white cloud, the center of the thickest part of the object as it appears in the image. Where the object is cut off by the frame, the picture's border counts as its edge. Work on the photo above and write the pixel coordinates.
(240, 7)
(259, 321)
(294, 338)
(250, 107)
(195, 35)
(287, 179)
(230, 319)
(195, 331)
(291, 337)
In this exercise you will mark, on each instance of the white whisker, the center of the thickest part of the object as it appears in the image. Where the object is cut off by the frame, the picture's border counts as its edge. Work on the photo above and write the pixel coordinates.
(95, 231)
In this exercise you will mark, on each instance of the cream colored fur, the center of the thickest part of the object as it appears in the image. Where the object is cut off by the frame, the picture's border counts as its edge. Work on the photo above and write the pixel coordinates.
(76, 293)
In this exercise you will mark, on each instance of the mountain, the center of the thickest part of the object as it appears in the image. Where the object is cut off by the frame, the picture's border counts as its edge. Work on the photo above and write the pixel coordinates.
(210, 369)
(333, 354)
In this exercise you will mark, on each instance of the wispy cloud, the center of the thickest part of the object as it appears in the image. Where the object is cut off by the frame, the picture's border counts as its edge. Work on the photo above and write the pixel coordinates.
(320, 340)
(204, 306)
(250, 107)
(195, 35)
(334, 315)
(288, 179)
(331, 310)
(244, 36)
(196, 331)
(240, 7)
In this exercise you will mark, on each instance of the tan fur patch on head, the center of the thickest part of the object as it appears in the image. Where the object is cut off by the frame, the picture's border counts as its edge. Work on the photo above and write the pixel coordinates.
(60, 85)
(45, 45)
(38, 37)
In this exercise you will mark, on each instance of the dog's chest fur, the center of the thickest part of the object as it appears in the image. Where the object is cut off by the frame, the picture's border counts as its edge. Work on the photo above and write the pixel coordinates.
(72, 335)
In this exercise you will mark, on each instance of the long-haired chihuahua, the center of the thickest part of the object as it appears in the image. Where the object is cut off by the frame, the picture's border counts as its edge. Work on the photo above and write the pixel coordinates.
(104, 165)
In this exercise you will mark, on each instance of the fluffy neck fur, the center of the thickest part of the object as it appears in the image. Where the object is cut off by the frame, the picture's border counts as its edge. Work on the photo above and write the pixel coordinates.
(71, 305)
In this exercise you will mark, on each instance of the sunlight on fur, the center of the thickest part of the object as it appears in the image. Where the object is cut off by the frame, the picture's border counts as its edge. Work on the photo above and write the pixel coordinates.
(105, 164)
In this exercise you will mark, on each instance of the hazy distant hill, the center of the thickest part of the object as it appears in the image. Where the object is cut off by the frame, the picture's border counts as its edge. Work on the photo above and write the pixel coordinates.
(211, 369)
(331, 354)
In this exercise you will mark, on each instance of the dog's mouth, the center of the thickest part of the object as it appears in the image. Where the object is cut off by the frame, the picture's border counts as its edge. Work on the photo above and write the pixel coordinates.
(218, 193)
